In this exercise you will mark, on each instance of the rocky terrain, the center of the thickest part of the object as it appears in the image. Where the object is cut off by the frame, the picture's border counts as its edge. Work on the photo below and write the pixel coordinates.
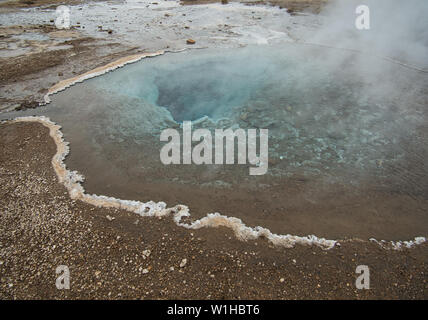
(113, 254)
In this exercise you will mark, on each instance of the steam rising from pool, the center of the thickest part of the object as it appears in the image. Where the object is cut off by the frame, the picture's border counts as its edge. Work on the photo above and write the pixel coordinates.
(319, 118)
(346, 113)
(336, 144)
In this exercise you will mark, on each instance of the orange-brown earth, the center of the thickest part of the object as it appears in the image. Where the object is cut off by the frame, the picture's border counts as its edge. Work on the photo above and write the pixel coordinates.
(42, 228)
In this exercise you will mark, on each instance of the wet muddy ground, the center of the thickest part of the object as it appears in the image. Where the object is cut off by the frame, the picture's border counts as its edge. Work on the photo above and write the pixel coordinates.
(41, 228)
(105, 249)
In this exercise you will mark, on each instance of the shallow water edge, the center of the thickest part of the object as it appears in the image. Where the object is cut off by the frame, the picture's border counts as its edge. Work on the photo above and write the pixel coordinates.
(72, 181)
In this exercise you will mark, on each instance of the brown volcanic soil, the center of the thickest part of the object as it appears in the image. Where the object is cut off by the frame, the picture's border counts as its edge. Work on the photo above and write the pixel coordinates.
(292, 5)
(35, 3)
(41, 228)
(26, 77)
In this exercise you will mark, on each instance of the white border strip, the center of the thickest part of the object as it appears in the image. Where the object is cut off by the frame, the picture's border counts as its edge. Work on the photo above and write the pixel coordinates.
(64, 84)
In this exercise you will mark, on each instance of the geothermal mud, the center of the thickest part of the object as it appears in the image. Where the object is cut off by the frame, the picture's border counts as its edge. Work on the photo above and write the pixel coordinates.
(72, 179)
(335, 169)
(319, 202)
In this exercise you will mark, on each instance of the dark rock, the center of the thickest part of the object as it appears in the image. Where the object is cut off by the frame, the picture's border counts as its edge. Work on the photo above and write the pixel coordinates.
(27, 105)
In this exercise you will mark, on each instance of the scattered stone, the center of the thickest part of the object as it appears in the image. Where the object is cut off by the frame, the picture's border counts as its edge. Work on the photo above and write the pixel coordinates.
(190, 41)
(146, 254)
(183, 263)
(109, 218)
(27, 105)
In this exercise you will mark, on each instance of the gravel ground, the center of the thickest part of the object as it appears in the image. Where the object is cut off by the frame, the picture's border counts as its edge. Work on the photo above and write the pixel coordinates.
(113, 254)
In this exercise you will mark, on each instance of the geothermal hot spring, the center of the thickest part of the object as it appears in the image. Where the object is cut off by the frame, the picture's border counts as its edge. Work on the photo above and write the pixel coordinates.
(347, 137)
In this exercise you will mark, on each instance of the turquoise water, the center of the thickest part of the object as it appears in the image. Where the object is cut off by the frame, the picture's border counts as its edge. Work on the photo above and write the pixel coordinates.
(321, 116)
(347, 137)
